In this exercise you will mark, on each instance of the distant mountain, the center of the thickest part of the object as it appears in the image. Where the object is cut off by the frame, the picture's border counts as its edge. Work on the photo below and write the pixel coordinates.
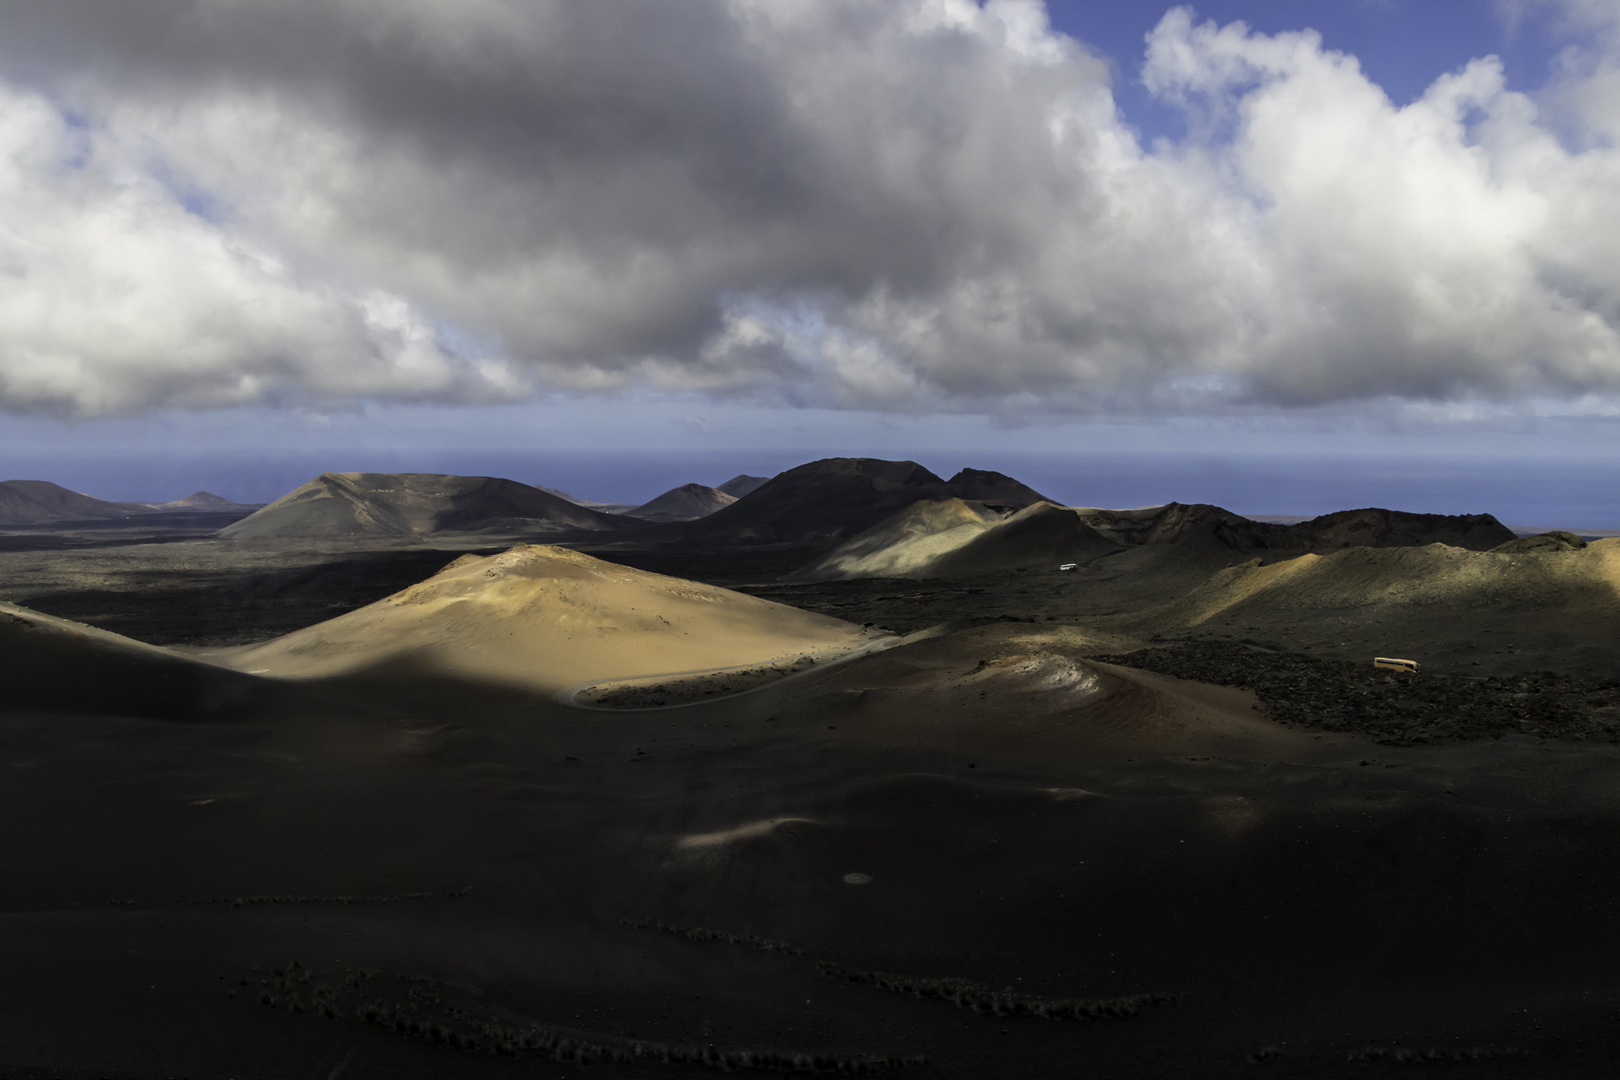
(905, 544)
(563, 495)
(956, 538)
(200, 500)
(405, 504)
(830, 500)
(1414, 597)
(983, 485)
(38, 502)
(685, 503)
(1374, 527)
(1038, 537)
(1557, 540)
(1370, 527)
(600, 507)
(741, 485)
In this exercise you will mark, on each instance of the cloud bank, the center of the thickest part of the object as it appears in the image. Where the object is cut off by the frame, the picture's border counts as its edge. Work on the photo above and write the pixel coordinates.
(915, 205)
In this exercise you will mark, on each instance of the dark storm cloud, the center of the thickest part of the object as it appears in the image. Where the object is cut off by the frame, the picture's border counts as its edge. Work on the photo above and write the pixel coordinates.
(921, 205)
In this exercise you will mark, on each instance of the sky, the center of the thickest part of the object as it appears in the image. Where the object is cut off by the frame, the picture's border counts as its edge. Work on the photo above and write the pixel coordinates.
(402, 230)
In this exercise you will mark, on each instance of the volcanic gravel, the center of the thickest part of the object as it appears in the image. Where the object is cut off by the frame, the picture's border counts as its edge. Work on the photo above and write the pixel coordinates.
(1394, 708)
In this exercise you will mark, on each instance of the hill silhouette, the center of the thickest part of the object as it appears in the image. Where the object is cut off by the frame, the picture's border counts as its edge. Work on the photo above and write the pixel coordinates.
(827, 501)
(1369, 527)
(36, 502)
(405, 504)
(905, 544)
(1038, 537)
(200, 500)
(685, 503)
(997, 489)
(955, 538)
(742, 484)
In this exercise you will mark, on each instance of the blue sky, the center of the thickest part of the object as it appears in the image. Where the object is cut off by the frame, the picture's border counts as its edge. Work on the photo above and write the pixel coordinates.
(902, 229)
(1402, 45)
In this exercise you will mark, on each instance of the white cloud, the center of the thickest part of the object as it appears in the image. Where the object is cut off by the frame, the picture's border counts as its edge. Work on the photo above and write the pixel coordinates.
(916, 205)
(117, 298)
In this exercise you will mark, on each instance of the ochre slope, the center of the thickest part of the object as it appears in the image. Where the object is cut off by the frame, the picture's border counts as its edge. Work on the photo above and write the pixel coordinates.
(1585, 581)
(544, 618)
(1038, 537)
(904, 543)
(955, 538)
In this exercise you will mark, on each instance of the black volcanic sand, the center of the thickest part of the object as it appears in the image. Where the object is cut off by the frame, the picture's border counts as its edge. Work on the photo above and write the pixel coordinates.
(684, 690)
(1074, 870)
(1392, 707)
(1062, 872)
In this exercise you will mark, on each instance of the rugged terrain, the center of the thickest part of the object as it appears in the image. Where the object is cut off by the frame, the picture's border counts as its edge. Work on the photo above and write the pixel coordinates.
(1155, 816)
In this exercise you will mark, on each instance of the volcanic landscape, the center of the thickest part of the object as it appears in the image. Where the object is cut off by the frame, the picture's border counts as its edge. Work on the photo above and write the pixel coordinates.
(853, 770)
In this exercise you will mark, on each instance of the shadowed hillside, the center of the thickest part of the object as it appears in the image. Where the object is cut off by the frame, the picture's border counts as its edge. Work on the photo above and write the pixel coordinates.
(905, 544)
(685, 503)
(827, 501)
(35, 502)
(1371, 527)
(202, 500)
(958, 539)
(1439, 604)
(57, 666)
(742, 484)
(1038, 537)
(954, 538)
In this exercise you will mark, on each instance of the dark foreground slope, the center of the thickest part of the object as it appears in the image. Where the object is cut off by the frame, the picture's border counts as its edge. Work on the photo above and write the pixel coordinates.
(974, 855)
(55, 666)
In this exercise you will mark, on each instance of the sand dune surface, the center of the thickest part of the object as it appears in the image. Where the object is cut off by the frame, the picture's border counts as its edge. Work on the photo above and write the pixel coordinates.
(544, 618)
